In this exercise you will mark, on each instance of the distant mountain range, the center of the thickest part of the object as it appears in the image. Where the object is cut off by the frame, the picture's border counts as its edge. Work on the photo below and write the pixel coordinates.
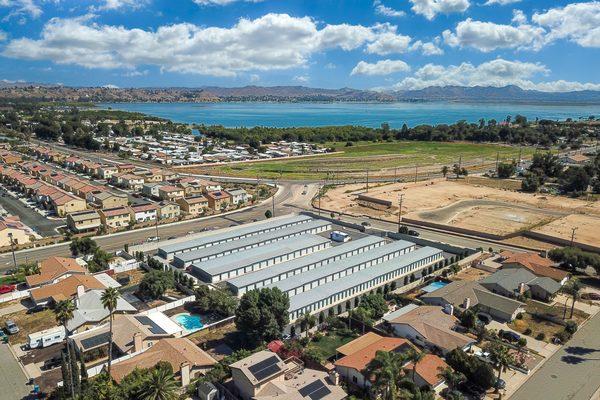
(506, 94)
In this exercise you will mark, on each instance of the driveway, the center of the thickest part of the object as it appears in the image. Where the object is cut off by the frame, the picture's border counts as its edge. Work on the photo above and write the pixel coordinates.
(572, 373)
(12, 379)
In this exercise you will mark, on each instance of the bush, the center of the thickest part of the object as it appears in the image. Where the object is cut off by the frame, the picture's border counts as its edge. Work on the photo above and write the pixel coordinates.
(520, 316)
(540, 336)
(527, 331)
(571, 327)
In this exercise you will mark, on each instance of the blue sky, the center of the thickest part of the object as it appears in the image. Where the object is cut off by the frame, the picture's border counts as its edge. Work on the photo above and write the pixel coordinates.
(391, 44)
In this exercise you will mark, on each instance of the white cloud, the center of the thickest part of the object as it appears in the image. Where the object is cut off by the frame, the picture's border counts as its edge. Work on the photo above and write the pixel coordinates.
(497, 73)
(428, 48)
(254, 78)
(519, 17)
(488, 36)
(110, 86)
(388, 41)
(578, 22)
(430, 8)
(2, 36)
(270, 42)
(301, 78)
(383, 67)
(501, 2)
(382, 9)
(20, 8)
(109, 5)
(221, 2)
(136, 73)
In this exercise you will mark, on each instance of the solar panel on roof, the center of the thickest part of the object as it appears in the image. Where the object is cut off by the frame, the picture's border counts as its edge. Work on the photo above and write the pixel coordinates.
(265, 368)
(151, 325)
(95, 341)
(315, 390)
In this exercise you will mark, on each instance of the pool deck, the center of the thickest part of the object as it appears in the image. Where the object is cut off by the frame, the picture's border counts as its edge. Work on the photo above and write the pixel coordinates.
(432, 287)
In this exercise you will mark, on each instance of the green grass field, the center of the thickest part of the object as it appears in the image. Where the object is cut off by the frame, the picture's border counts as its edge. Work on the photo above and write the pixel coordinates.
(380, 158)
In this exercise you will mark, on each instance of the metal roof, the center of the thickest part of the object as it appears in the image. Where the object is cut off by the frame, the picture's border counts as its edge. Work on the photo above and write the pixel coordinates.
(244, 258)
(339, 285)
(247, 242)
(237, 232)
(342, 265)
(334, 252)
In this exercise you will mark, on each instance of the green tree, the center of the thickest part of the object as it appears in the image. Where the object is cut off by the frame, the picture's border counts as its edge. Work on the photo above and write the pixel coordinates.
(453, 379)
(531, 183)
(155, 283)
(375, 303)
(109, 300)
(573, 289)
(575, 179)
(445, 170)
(475, 370)
(500, 357)
(385, 372)
(83, 246)
(161, 385)
(63, 311)
(468, 319)
(506, 170)
(268, 214)
(262, 314)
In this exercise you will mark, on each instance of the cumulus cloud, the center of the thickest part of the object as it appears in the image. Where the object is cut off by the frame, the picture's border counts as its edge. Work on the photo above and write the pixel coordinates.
(270, 42)
(500, 2)
(519, 17)
(118, 4)
(383, 67)
(20, 8)
(222, 2)
(428, 48)
(382, 9)
(497, 73)
(489, 36)
(430, 8)
(578, 22)
(302, 78)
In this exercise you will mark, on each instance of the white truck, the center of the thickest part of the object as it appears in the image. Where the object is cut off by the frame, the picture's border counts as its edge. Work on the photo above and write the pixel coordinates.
(338, 236)
(46, 337)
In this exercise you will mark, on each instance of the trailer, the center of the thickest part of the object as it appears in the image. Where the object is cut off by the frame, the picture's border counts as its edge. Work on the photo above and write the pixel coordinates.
(338, 236)
(46, 337)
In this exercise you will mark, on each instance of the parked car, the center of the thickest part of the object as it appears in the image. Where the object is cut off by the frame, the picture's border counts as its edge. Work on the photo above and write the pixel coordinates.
(11, 327)
(414, 233)
(366, 223)
(485, 318)
(509, 336)
(153, 239)
(7, 289)
(500, 384)
(52, 363)
(37, 308)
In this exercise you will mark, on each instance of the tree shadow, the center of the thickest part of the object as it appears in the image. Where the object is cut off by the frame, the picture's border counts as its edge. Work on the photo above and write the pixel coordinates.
(574, 360)
(580, 351)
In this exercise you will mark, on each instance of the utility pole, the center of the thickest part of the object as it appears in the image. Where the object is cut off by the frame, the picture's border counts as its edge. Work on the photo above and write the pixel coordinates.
(400, 198)
(12, 249)
(573, 235)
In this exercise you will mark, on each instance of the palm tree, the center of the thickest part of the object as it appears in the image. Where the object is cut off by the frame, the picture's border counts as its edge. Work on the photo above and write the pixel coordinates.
(160, 386)
(385, 370)
(109, 301)
(307, 322)
(574, 289)
(63, 311)
(415, 357)
(500, 357)
(452, 379)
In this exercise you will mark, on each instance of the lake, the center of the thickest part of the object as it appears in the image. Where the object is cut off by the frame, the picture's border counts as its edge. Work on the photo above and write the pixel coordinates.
(366, 114)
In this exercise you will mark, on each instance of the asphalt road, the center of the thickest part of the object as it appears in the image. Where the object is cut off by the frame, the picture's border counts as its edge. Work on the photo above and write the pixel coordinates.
(12, 379)
(29, 217)
(572, 373)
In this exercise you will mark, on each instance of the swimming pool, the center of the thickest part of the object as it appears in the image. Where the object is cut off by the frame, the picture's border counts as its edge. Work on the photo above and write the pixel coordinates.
(433, 286)
(190, 322)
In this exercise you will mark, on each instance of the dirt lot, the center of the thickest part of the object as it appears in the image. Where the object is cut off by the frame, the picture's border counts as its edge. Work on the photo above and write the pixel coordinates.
(470, 274)
(30, 323)
(588, 228)
(476, 205)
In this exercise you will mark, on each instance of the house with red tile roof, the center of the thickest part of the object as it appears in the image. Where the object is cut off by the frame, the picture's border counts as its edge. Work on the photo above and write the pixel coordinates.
(538, 265)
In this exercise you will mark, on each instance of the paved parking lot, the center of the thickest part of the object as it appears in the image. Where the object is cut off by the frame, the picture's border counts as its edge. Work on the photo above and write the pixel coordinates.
(29, 217)
(12, 379)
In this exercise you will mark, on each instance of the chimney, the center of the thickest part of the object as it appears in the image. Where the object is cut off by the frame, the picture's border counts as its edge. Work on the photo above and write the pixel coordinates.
(467, 303)
(185, 373)
(334, 377)
(522, 288)
(137, 342)
(449, 309)
(80, 291)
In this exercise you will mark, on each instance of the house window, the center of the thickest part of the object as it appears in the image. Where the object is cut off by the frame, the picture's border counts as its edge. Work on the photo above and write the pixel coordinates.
(354, 379)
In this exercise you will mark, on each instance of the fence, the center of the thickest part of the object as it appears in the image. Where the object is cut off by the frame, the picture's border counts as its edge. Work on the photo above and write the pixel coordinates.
(14, 296)
(169, 306)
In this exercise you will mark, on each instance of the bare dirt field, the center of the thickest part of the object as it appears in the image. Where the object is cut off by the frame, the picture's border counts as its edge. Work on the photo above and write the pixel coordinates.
(473, 204)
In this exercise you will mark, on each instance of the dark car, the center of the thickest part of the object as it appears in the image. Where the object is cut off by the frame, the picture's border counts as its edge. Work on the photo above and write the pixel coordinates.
(413, 233)
(509, 336)
(500, 384)
(36, 309)
(52, 363)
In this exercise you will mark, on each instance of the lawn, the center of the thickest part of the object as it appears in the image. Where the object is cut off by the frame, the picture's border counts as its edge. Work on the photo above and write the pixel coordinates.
(30, 323)
(548, 328)
(373, 156)
(326, 346)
